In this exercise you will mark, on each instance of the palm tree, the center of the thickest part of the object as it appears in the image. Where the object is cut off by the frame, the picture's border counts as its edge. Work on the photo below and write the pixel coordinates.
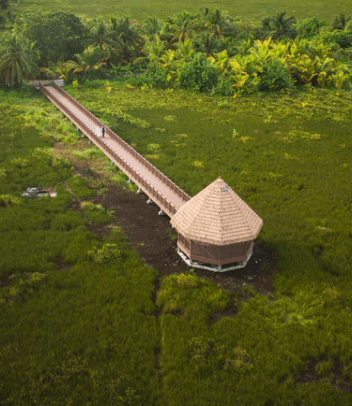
(179, 26)
(103, 36)
(185, 50)
(58, 70)
(277, 27)
(89, 61)
(283, 26)
(129, 37)
(221, 61)
(206, 43)
(340, 22)
(18, 60)
(153, 50)
(152, 27)
(219, 23)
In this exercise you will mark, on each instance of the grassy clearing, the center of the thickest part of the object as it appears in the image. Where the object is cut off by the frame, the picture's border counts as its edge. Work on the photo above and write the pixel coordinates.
(95, 336)
(288, 156)
(76, 310)
(140, 9)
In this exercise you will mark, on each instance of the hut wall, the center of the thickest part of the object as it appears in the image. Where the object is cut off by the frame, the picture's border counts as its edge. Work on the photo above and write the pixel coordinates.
(214, 254)
(203, 251)
(184, 245)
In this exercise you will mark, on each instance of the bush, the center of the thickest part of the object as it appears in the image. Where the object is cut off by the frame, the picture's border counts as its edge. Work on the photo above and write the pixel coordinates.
(276, 76)
(9, 200)
(310, 27)
(97, 214)
(79, 187)
(64, 41)
(4, 4)
(2, 22)
(223, 86)
(154, 76)
(199, 74)
(341, 38)
(105, 254)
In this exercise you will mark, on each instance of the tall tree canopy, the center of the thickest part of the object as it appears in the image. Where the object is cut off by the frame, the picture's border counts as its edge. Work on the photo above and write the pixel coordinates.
(56, 35)
(18, 60)
(4, 4)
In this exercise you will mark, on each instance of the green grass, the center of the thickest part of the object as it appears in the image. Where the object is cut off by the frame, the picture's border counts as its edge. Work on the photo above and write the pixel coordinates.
(140, 9)
(288, 157)
(77, 335)
(96, 213)
(77, 316)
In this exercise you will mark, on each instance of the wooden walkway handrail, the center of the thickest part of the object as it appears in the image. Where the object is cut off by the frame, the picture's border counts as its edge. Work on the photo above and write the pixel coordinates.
(125, 145)
(131, 172)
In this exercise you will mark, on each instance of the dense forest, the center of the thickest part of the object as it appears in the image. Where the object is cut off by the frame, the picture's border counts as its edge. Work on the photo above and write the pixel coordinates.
(208, 51)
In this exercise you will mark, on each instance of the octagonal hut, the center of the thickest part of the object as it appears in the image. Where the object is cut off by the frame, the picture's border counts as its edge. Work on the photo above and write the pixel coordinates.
(216, 228)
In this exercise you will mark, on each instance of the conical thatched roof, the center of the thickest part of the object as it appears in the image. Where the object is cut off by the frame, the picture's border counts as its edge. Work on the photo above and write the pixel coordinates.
(218, 216)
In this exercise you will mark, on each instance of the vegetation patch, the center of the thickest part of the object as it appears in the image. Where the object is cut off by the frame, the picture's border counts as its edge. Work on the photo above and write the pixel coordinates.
(96, 213)
(80, 188)
(105, 254)
(266, 105)
(72, 305)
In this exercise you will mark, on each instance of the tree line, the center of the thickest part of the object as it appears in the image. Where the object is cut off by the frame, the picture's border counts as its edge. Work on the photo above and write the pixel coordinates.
(206, 51)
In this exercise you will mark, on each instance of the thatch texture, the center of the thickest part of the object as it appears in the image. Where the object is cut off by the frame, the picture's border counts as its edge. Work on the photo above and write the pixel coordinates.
(218, 216)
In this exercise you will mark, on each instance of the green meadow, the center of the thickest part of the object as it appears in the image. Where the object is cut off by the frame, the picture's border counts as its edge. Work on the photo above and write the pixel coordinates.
(77, 321)
(140, 9)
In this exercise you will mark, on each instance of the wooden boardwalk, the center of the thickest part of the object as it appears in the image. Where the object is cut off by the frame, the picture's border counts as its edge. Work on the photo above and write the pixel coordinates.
(160, 189)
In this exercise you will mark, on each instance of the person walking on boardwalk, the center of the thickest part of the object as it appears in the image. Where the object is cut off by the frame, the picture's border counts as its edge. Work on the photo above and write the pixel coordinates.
(103, 129)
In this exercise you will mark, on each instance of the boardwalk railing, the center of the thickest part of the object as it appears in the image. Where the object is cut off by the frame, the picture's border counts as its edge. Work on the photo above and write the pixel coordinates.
(168, 182)
(148, 189)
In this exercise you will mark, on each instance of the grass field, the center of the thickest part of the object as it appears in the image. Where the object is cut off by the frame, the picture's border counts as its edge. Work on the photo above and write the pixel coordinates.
(141, 9)
(87, 334)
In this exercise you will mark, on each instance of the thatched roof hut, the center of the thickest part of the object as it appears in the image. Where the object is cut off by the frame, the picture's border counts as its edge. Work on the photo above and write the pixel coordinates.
(216, 226)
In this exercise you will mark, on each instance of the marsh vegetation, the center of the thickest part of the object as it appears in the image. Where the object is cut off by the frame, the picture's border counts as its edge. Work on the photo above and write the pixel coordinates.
(84, 320)
(87, 333)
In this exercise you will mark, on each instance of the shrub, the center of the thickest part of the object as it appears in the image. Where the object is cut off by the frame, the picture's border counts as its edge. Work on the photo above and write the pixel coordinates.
(105, 254)
(276, 76)
(2, 22)
(3, 172)
(27, 284)
(97, 214)
(154, 76)
(89, 154)
(4, 4)
(201, 348)
(239, 360)
(187, 281)
(341, 38)
(310, 27)
(224, 86)
(8, 200)
(324, 368)
(198, 75)
(79, 187)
